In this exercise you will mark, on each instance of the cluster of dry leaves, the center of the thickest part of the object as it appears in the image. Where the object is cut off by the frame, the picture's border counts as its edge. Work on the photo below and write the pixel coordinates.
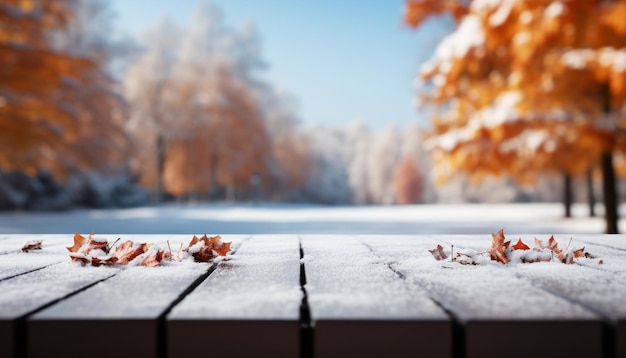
(502, 251)
(89, 250)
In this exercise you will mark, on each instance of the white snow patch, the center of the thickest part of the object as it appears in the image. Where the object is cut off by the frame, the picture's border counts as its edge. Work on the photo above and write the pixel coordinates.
(607, 57)
(261, 281)
(502, 13)
(360, 285)
(555, 9)
(469, 34)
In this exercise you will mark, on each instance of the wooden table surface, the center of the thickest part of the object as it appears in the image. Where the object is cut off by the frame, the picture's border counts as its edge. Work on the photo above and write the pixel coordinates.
(314, 295)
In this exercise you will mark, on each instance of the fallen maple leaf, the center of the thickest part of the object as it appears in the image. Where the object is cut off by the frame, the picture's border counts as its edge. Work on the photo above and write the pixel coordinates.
(127, 251)
(438, 253)
(553, 245)
(79, 257)
(579, 253)
(154, 259)
(79, 241)
(520, 245)
(85, 245)
(498, 248)
(32, 245)
(206, 248)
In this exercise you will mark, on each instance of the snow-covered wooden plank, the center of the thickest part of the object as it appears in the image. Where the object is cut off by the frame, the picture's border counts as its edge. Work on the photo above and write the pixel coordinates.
(123, 311)
(248, 307)
(360, 307)
(24, 294)
(499, 312)
(14, 262)
(610, 241)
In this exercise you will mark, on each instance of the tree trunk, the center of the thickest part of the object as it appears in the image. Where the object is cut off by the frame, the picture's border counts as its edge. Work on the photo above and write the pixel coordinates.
(609, 189)
(567, 194)
(590, 194)
(160, 152)
(609, 192)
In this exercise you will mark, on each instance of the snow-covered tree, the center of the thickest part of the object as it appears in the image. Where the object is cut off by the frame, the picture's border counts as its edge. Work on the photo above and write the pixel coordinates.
(528, 86)
(147, 81)
(359, 138)
(383, 159)
(328, 181)
(212, 120)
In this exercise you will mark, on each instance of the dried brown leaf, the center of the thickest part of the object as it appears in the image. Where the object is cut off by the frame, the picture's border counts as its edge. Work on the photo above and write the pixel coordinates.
(79, 241)
(438, 253)
(520, 245)
(211, 247)
(154, 259)
(79, 257)
(127, 251)
(498, 248)
(32, 245)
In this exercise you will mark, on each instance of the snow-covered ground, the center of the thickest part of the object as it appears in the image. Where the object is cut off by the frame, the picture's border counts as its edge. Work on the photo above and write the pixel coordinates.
(310, 219)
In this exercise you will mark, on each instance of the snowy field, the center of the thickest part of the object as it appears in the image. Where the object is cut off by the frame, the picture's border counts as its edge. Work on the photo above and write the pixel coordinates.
(310, 219)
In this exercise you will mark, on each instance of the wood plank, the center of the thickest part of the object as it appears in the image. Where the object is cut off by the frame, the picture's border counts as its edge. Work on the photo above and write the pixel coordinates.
(14, 262)
(495, 307)
(248, 307)
(27, 293)
(362, 308)
(600, 288)
(124, 310)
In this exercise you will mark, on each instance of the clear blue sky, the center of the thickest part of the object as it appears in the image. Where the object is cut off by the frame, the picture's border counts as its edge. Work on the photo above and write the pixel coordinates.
(342, 60)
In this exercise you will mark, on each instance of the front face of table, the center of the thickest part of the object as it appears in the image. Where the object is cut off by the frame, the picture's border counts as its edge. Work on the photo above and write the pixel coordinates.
(324, 296)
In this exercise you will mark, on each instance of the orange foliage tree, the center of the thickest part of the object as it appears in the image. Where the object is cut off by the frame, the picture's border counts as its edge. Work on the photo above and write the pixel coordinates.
(56, 107)
(528, 86)
(201, 118)
(220, 143)
(408, 182)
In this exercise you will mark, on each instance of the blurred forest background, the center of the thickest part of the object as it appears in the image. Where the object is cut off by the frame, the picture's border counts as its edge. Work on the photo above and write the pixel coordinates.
(526, 100)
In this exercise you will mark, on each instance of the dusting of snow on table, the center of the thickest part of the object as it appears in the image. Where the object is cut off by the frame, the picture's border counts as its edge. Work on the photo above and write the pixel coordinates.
(136, 292)
(26, 293)
(484, 292)
(261, 281)
(333, 295)
(346, 281)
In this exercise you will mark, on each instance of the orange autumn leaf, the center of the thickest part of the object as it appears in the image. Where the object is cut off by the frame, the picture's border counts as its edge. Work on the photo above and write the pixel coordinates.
(579, 253)
(211, 247)
(438, 253)
(222, 248)
(127, 251)
(193, 241)
(553, 245)
(84, 245)
(96, 244)
(79, 240)
(154, 259)
(79, 257)
(498, 248)
(520, 245)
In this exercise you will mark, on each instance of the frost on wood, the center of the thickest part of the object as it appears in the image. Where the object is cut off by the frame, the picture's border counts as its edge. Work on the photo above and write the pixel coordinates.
(502, 251)
(89, 250)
